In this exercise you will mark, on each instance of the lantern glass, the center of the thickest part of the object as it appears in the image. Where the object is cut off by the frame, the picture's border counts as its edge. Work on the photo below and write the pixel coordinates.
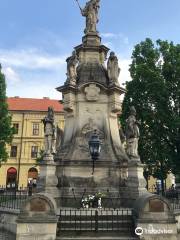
(94, 146)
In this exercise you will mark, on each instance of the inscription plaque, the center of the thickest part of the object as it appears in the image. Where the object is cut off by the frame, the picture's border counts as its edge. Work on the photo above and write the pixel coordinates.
(38, 205)
(155, 205)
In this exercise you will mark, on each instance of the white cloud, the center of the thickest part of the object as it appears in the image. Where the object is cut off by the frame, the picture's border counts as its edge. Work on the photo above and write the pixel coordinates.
(109, 35)
(35, 91)
(32, 73)
(11, 76)
(31, 59)
(116, 36)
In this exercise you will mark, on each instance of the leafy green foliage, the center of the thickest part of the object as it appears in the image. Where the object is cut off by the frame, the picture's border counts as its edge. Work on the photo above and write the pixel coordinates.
(39, 159)
(155, 93)
(6, 131)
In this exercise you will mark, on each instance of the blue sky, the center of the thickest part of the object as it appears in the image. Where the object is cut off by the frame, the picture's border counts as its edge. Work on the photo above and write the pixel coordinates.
(36, 36)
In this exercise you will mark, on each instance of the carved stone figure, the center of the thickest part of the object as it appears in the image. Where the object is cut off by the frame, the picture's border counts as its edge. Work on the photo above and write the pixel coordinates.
(91, 11)
(113, 68)
(59, 137)
(132, 134)
(49, 132)
(72, 63)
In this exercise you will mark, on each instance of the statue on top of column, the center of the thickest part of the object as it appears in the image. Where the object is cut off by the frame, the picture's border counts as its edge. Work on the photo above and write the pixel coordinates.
(132, 134)
(90, 11)
(49, 132)
(113, 68)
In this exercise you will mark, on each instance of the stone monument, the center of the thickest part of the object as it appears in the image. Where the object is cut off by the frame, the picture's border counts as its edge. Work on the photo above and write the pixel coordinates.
(49, 134)
(135, 182)
(47, 181)
(132, 136)
(91, 96)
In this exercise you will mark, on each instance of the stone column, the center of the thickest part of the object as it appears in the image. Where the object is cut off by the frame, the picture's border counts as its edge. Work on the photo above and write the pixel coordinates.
(136, 183)
(37, 219)
(48, 181)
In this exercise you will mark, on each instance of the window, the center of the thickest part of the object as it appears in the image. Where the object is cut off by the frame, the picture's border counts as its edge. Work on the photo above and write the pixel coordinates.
(36, 129)
(34, 151)
(13, 151)
(16, 127)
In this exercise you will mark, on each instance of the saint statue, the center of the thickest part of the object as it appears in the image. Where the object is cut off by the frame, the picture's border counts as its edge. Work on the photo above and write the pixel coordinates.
(72, 63)
(49, 132)
(90, 11)
(113, 68)
(132, 134)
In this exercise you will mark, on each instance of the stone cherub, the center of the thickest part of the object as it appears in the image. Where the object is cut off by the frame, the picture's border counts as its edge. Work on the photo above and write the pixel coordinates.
(49, 132)
(132, 134)
(113, 68)
(90, 11)
(72, 63)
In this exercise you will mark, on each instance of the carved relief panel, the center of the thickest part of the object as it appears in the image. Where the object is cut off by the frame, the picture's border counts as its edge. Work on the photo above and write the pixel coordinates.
(92, 92)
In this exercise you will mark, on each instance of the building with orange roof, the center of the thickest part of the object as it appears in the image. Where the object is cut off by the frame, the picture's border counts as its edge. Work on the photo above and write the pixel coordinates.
(28, 141)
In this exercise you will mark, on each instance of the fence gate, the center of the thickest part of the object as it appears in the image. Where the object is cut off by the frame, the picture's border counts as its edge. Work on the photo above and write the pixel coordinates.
(95, 220)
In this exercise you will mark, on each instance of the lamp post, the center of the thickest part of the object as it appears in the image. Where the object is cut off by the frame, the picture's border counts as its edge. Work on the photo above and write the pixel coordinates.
(94, 147)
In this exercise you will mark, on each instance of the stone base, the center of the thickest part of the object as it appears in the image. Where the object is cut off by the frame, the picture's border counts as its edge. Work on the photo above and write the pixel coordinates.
(136, 183)
(33, 231)
(37, 219)
(48, 181)
(91, 39)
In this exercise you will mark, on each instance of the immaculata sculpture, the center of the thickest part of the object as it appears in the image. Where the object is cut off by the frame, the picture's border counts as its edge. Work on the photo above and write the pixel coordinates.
(90, 11)
(49, 132)
(132, 134)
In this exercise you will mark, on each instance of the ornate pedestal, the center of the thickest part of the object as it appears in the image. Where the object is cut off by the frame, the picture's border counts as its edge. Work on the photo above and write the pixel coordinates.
(136, 184)
(47, 181)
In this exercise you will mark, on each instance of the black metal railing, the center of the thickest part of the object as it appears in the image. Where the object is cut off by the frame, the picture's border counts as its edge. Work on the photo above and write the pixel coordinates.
(13, 198)
(95, 220)
(174, 198)
(110, 199)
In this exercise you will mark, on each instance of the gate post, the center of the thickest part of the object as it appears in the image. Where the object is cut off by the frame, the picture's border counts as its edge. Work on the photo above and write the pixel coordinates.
(37, 219)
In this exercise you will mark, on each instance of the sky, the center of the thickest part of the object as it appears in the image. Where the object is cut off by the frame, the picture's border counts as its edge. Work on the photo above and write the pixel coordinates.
(36, 37)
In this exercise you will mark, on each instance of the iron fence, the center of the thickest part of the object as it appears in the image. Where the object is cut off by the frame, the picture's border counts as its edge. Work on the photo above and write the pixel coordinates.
(95, 220)
(109, 199)
(13, 198)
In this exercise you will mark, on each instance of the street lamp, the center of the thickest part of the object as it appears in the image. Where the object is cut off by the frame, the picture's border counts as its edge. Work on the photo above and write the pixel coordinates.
(94, 147)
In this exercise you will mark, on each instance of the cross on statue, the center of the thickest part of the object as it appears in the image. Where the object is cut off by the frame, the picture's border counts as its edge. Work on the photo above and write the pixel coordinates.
(90, 11)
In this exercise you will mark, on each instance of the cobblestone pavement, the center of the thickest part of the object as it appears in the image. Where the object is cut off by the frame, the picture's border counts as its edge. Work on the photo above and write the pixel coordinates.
(5, 235)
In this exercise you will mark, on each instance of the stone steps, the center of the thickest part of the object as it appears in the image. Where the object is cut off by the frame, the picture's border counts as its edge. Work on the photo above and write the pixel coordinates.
(96, 236)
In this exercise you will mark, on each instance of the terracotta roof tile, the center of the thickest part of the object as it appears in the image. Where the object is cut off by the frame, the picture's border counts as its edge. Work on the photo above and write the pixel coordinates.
(32, 104)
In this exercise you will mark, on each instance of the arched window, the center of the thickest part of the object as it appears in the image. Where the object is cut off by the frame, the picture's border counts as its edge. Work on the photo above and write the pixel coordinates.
(32, 176)
(33, 173)
(11, 178)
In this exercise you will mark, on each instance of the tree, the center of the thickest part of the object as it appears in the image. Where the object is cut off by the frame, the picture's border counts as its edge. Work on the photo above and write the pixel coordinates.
(6, 130)
(155, 93)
